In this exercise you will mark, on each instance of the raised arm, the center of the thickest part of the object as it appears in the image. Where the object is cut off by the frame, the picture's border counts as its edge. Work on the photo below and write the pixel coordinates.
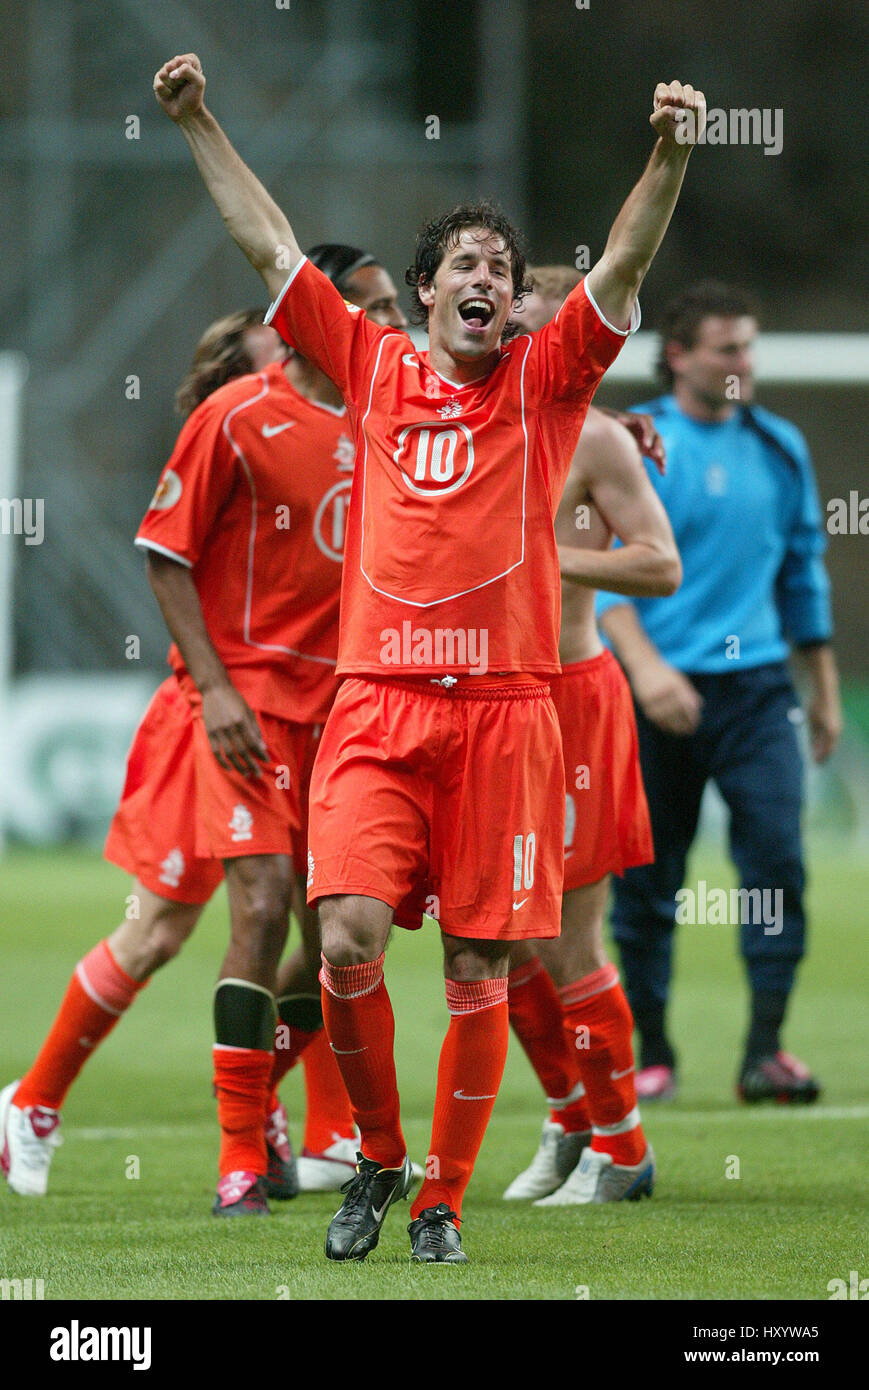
(678, 119)
(252, 217)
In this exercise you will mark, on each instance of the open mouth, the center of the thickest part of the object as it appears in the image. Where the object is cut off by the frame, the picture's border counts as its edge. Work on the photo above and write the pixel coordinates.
(477, 313)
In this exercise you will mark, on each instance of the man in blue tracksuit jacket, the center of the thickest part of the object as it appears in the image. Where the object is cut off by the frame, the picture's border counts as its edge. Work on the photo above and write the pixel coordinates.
(708, 668)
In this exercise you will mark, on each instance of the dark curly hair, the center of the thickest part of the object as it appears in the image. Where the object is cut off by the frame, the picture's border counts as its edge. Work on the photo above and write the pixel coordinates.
(683, 316)
(442, 234)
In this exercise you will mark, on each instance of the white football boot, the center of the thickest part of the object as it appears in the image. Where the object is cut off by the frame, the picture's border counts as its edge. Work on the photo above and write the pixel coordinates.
(597, 1179)
(556, 1157)
(328, 1171)
(28, 1139)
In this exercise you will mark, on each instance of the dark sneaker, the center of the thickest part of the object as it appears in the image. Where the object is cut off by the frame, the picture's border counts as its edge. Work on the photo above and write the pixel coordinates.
(778, 1077)
(282, 1181)
(355, 1228)
(434, 1239)
(241, 1194)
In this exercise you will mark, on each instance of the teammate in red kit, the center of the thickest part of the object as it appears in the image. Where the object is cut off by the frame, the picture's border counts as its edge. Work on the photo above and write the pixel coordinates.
(439, 779)
(244, 537)
(566, 1003)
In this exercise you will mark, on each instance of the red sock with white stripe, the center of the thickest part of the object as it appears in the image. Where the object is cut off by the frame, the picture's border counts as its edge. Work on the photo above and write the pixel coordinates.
(597, 1017)
(469, 1074)
(537, 1019)
(96, 997)
(359, 1022)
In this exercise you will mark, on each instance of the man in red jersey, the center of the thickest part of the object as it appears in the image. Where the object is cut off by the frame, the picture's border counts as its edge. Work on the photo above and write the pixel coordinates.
(440, 766)
(245, 538)
(566, 1004)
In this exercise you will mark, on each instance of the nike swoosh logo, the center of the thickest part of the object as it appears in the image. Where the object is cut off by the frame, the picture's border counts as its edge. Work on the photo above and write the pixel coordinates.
(516, 906)
(617, 1075)
(460, 1095)
(348, 1052)
(269, 430)
(379, 1215)
(409, 360)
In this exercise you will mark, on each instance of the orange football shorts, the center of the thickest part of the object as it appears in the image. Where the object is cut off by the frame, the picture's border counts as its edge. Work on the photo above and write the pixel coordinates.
(153, 831)
(443, 799)
(607, 827)
(238, 815)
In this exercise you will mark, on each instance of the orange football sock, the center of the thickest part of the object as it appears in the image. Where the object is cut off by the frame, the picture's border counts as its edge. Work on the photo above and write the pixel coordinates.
(96, 997)
(598, 1018)
(361, 1029)
(469, 1073)
(537, 1020)
(328, 1116)
(242, 1084)
(290, 1044)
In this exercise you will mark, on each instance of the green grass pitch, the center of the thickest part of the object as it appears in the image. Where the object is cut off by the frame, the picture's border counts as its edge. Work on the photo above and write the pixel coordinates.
(793, 1220)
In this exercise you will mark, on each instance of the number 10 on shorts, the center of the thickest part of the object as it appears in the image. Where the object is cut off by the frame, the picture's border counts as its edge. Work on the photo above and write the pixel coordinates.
(524, 847)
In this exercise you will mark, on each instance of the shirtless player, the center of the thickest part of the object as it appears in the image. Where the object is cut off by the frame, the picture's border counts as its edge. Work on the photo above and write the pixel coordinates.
(566, 1004)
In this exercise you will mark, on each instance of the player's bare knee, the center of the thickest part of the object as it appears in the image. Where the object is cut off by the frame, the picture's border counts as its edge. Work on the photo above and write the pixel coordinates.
(142, 945)
(167, 936)
(260, 895)
(353, 929)
(466, 960)
(264, 919)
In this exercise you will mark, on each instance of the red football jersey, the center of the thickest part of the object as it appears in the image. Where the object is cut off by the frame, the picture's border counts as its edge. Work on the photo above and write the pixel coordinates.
(253, 501)
(450, 561)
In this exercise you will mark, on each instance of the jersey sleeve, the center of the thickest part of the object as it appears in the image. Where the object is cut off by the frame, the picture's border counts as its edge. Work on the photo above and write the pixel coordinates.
(571, 353)
(193, 486)
(311, 315)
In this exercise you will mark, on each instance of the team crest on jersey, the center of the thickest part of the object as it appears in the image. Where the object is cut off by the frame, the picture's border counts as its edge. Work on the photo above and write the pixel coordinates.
(345, 453)
(168, 492)
(241, 824)
(172, 868)
(452, 408)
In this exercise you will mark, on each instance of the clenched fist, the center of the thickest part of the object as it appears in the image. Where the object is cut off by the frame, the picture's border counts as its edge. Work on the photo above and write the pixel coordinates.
(679, 115)
(179, 86)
